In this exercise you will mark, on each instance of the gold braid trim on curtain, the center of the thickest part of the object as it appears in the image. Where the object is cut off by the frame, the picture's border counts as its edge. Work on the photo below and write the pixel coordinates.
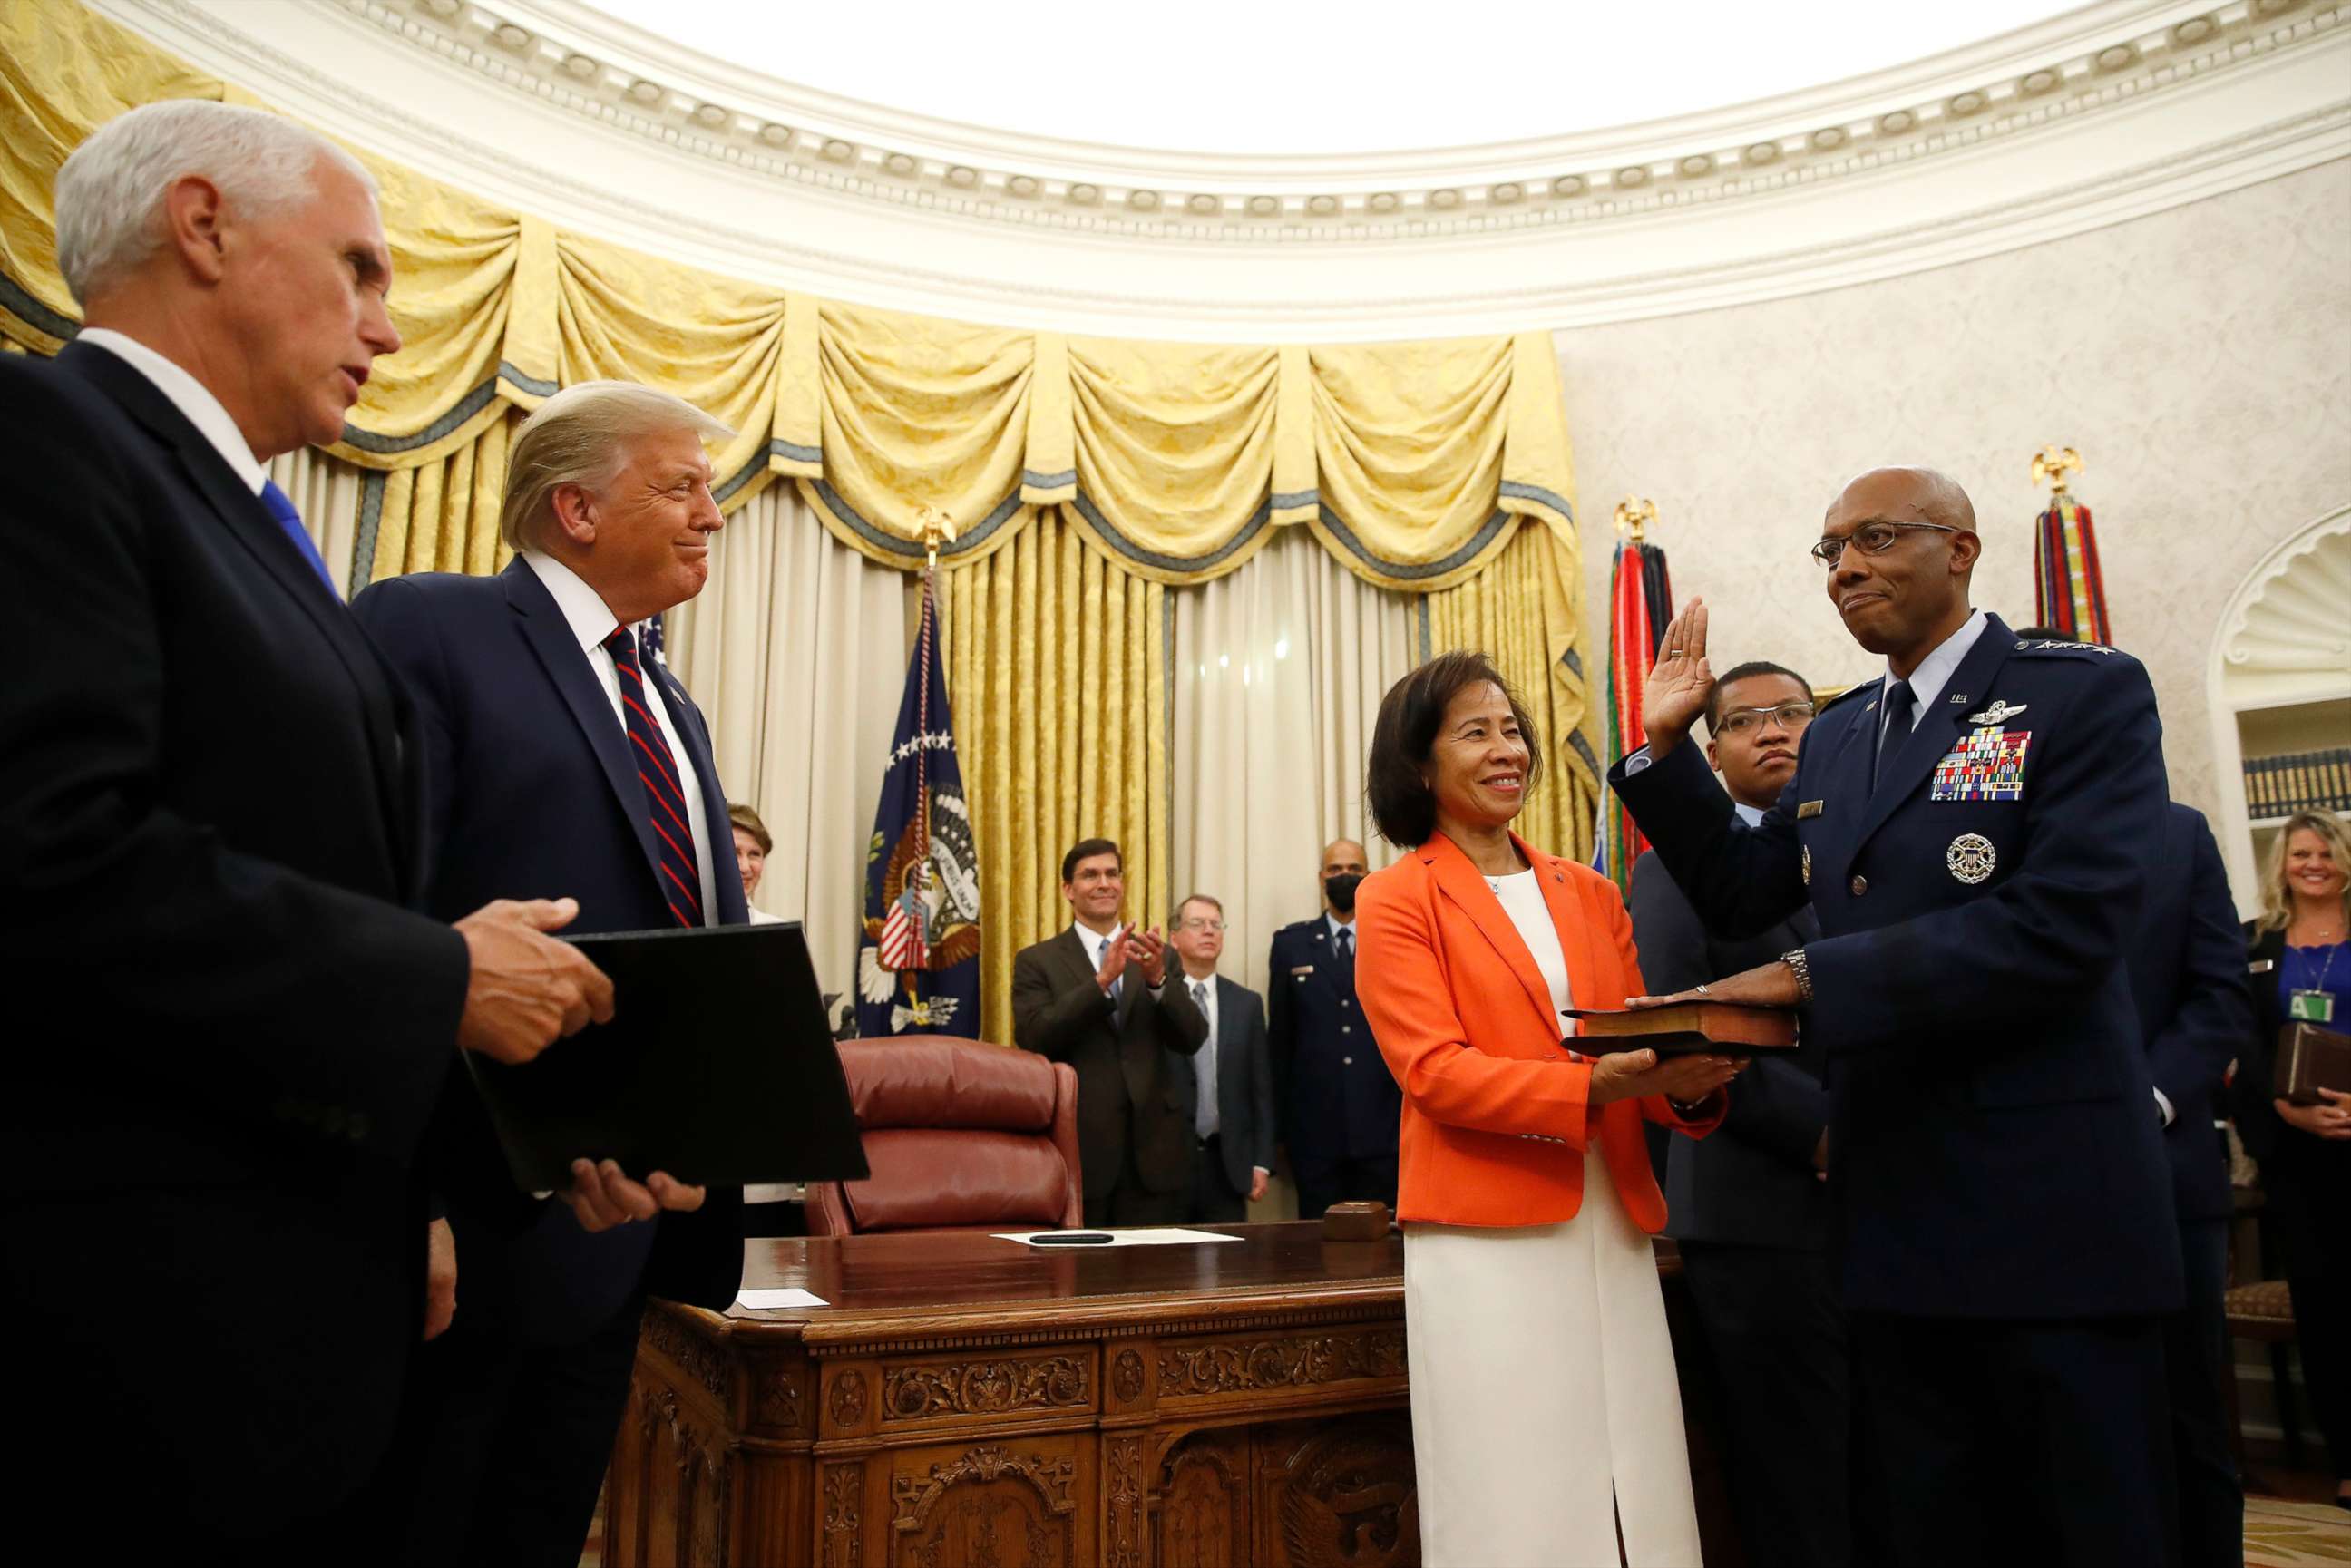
(1520, 612)
(1057, 671)
(438, 516)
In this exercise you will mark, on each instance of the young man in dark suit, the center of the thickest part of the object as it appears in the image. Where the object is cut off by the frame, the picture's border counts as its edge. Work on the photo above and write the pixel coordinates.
(1747, 1207)
(1973, 832)
(1227, 1086)
(1339, 1105)
(212, 1248)
(558, 756)
(1097, 997)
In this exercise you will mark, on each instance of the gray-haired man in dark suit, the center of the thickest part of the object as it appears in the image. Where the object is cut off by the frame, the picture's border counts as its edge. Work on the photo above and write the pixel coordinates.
(1227, 1087)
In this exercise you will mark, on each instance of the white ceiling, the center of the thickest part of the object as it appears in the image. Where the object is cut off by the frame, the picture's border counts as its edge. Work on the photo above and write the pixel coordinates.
(1309, 76)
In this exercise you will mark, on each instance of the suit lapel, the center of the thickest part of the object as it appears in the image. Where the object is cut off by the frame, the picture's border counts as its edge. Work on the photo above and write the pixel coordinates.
(1466, 886)
(1568, 913)
(560, 653)
(383, 714)
(1914, 759)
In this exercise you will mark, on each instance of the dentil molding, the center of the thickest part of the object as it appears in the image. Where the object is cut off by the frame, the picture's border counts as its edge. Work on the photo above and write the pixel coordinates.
(2109, 112)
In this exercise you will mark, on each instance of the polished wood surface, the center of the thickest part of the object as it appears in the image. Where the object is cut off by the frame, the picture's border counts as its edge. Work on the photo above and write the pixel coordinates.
(965, 1400)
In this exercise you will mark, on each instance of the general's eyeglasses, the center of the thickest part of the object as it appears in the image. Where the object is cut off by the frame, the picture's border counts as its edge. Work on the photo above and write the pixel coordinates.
(1789, 716)
(1870, 538)
(1216, 925)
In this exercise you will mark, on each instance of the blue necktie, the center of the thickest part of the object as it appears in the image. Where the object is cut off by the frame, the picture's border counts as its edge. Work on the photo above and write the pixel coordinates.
(1898, 703)
(281, 509)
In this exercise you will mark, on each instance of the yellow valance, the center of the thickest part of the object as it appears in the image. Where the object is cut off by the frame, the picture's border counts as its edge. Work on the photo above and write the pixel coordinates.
(1412, 463)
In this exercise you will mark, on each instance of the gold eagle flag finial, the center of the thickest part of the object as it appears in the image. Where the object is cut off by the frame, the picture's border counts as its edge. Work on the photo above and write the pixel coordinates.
(938, 529)
(1634, 516)
(2052, 463)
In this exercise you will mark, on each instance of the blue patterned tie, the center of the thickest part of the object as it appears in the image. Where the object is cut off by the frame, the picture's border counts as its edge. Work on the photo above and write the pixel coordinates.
(281, 509)
(657, 770)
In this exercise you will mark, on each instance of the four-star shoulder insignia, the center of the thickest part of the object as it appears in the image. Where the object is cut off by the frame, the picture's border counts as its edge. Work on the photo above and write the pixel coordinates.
(2060, 645)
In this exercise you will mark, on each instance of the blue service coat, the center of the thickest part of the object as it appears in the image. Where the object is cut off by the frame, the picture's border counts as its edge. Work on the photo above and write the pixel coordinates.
(1995, 1150)
(1339, 1101)
(2187, 978)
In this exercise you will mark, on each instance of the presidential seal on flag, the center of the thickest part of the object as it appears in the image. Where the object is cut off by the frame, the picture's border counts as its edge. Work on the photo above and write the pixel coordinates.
(918, 963)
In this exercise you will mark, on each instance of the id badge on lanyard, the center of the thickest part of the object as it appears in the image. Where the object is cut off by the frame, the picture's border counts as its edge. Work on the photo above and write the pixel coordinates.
(2310, 1007)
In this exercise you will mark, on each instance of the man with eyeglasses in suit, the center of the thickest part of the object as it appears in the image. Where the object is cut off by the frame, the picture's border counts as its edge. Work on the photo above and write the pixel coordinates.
(1226, 1087)
(1747, 1207)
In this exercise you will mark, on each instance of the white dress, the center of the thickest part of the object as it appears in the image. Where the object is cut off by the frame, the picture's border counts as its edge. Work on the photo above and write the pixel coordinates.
(1545, 1406)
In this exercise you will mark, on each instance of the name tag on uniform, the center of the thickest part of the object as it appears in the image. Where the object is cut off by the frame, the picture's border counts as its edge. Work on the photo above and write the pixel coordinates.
(1301, 970)
(1809, 809)
(1983, 764)
(2261, 966)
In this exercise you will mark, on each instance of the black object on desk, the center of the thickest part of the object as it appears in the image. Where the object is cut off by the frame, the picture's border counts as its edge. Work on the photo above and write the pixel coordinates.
(1072, 1239)
(717, 1067)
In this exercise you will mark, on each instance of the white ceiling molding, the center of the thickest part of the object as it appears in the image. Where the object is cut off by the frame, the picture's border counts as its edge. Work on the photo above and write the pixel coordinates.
(2112, 111)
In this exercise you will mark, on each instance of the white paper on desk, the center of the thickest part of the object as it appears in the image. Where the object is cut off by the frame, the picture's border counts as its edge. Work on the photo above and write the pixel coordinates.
(1143, 1236)
(769, 1300)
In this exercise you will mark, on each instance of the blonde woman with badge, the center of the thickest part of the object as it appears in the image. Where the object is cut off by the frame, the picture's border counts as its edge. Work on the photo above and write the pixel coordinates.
(2301, 964)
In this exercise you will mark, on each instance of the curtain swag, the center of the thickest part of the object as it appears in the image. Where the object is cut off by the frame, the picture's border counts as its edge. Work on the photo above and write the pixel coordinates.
(1413, 464)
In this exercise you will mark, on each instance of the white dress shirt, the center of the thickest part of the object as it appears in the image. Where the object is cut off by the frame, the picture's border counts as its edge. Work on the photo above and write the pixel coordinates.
(1933, 673)
(190, 396)
(592, 621)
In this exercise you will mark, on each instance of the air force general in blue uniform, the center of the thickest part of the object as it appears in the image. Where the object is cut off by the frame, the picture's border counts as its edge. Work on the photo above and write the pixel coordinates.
(1340, 1106)
(2001, 1208)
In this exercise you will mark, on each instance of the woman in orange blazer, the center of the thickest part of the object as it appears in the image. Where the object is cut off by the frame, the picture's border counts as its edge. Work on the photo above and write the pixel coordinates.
(1545, 1413)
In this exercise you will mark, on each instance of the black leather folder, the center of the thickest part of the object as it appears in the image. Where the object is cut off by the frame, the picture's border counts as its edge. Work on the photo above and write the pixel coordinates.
(717, 1067)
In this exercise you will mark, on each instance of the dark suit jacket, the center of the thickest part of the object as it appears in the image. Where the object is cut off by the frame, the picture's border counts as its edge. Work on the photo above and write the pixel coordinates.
(1244, 1083)
(534, 794)
(1995, 1152)
(1127, 1095)
(209, 822)
(2188, 980)
(1752, 1182)
(2306, 1179)
(1337, 1100)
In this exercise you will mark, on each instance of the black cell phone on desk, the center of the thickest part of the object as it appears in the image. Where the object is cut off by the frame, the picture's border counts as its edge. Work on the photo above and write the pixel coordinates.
(1072, 1239)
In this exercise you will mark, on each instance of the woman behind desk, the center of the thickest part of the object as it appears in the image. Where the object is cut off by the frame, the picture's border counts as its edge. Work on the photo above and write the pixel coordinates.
(2300, 943)
(1545, 1413)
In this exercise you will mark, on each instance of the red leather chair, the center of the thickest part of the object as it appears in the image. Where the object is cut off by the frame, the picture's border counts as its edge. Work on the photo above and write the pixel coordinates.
(959, 1135)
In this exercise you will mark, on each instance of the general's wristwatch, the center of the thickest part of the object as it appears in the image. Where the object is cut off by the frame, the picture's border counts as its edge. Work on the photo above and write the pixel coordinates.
(1802, 969)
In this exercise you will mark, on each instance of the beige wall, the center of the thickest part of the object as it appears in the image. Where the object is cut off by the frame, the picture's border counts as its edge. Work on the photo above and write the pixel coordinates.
(2200, 360)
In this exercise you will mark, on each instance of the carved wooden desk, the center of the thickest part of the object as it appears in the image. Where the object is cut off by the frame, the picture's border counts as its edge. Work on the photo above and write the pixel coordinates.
(964, 1400)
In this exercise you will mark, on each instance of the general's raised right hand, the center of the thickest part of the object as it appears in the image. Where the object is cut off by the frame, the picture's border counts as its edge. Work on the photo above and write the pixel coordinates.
(527, 989)
(1680, 681)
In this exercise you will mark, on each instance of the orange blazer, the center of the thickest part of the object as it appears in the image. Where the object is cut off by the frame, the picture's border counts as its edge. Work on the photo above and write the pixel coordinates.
(1495, 1118)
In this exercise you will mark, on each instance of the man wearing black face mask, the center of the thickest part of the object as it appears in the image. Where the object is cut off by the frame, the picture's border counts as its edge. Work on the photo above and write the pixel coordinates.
(1339, 1105)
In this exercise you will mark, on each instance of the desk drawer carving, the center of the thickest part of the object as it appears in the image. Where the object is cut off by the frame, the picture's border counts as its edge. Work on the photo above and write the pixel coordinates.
(992, 1503)
(1289, 1360)
(990, 1387)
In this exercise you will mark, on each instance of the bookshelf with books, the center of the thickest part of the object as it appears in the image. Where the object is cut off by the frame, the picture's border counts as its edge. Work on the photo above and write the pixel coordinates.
(2279, 689)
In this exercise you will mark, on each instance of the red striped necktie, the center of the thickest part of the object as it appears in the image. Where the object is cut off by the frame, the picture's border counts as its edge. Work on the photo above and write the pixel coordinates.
(657, 770)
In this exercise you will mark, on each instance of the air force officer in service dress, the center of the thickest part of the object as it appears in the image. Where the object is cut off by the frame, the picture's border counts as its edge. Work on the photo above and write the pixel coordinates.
(1973, 831)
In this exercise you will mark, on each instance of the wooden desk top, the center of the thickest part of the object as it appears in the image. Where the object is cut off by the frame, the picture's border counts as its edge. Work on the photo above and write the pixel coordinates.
(917, 1284)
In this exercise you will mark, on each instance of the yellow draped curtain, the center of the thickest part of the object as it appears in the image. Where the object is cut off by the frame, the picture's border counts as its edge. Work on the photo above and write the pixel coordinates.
(1101, 472)
(1521, 611)
(1057, 670)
